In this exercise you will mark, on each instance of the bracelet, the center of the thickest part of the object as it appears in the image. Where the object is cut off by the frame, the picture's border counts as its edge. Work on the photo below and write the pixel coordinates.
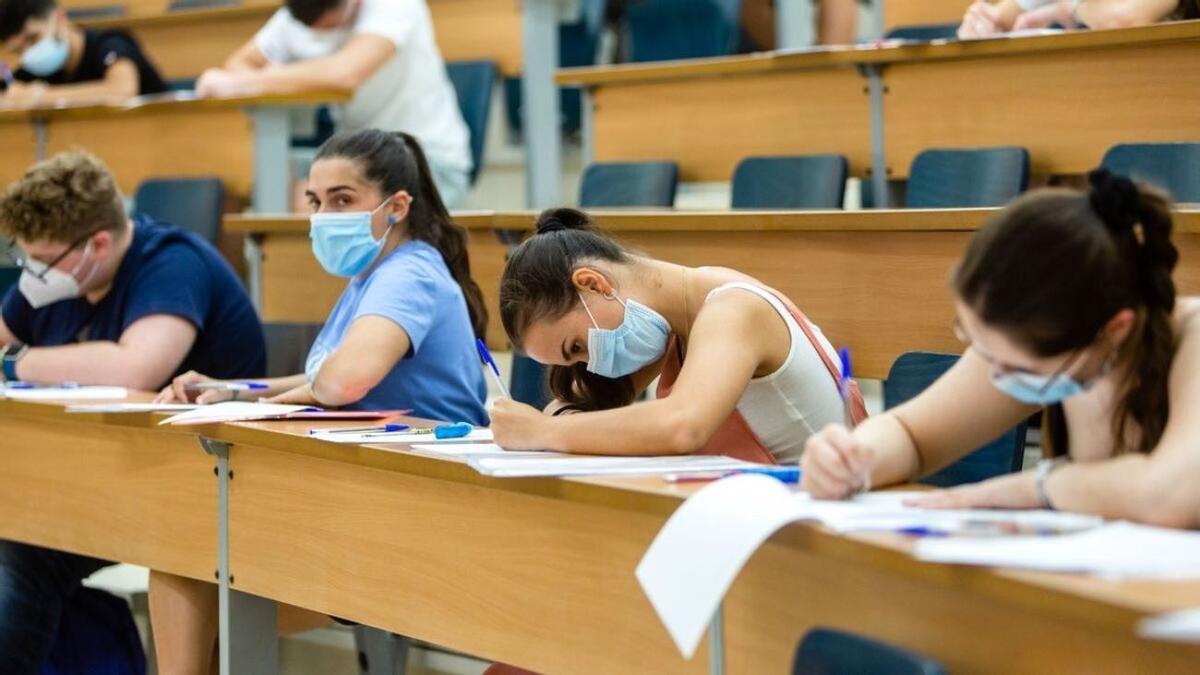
(9, 357)
(1041, 473)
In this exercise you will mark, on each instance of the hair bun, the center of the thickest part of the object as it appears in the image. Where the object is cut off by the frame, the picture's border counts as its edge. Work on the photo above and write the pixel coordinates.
(558, 220)
(1116, 199)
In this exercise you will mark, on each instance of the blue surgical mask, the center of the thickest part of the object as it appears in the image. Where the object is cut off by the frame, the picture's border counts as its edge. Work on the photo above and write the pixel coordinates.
(48, 56)
(343, 243)
(639, 341)
(1044, 390)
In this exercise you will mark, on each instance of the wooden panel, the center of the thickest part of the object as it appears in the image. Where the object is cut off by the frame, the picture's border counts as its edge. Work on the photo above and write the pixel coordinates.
(489, 30)
(143, 496)
(708, 125)
(20, 150)
(172, 141)
(185, 49)
(543, 583)
(914, 12)
(1086, 101)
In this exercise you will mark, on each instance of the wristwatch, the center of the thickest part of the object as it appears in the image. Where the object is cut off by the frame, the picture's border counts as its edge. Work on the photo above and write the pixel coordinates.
(1041, 473)
(9, 357)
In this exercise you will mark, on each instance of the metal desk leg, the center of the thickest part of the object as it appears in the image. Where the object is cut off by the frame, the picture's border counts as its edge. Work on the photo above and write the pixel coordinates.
(716, 642)
(542, 127)
(272, 140)
(41, 138)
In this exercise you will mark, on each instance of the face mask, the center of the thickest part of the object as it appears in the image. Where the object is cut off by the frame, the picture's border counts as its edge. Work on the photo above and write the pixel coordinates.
(1044, 390)
(343, 243)
(639, 341)
(48, 56)
(42, 285)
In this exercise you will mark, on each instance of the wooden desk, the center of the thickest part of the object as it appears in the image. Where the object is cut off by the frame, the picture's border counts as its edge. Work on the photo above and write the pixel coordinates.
(919, 12)
(877, 281)
(540, 572)
(1065, 97)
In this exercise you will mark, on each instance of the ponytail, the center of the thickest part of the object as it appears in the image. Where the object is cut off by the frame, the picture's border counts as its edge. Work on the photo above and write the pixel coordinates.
(396, 162)
(537, 286)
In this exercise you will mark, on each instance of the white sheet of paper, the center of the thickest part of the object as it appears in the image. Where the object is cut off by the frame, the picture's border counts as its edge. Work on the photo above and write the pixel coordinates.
(543, 465)
(402, 437)
(1118, 550)
(233, 411)
(66, 394)
(699, 552)
(477, 450)
(130, 407)
(886, 511)
(1181, 626)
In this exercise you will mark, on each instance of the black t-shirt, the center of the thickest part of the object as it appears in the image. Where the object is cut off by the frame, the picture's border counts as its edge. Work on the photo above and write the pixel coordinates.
(101, 49)
(166, 270)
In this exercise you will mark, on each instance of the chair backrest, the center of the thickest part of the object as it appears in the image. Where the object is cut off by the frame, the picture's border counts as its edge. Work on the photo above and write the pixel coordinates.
(661, 30)
(629, 184)
(967, 177)
(288, 345)
(190, 203)
(799, 182)
(924, 32)
(1174, 167)
(825, 651)
(473, 82)
(911, 374)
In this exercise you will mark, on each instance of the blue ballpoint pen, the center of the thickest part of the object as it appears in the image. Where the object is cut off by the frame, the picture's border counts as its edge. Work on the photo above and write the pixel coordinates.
(486, 357)
(785, 474)
(844, 387)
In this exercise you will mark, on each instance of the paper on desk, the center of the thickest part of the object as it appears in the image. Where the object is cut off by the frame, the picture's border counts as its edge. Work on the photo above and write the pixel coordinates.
(65, 393)
(1181, 626)
(575, 465)
(400, 437)
(130, 407)
(886, 511)
(477, 450)
(235, 411)
(1118, 549)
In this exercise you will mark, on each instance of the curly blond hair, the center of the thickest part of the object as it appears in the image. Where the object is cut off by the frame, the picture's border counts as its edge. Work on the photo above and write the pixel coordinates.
(62, 199)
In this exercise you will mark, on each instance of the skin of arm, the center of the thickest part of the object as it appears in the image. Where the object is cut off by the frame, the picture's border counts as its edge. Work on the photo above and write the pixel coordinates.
(248, 57)
(1099, 14)
(346, 70)
(120, 81)
(370, 350)
(6, 336)
(149, 350)
(984, 18)
(727, 331)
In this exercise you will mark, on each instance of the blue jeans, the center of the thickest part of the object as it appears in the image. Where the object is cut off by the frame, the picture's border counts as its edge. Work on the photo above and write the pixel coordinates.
(34, 585)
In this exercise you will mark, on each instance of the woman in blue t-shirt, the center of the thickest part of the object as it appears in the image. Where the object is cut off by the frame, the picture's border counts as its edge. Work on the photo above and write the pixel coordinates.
(402, 335)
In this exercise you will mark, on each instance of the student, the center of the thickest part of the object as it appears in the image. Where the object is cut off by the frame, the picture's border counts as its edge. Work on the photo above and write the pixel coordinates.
(743, 372)
(401, 336)
(60, 61)
(108, 300)
(1066, 303)
(984, 18)
(383, 51)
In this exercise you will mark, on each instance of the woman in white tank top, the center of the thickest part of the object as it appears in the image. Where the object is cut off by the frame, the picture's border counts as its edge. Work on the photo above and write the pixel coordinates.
(756, 382)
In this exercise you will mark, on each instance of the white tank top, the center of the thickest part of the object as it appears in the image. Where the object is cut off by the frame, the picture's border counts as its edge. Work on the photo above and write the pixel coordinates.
(787, 406)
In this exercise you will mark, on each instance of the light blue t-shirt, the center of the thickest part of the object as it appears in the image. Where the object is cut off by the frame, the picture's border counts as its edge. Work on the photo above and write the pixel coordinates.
(440, 377)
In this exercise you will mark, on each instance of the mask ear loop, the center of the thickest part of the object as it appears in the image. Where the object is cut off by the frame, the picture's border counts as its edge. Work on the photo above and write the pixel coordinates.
(588, 310)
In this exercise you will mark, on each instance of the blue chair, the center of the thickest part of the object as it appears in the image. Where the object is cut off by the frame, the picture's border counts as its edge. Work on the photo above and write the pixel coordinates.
(473, 83)
(629, 184)
(661, 30)
(800, 182)
(924, 32)
(911, 374)
(967, 177)
(825, 651)
(182, 84)
(1175, 167)
(288, 345)
(191, 203)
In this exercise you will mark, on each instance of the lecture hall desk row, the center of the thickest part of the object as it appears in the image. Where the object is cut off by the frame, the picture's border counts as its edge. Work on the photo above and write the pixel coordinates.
(534, 572)
(878, 281)
(1065, 97)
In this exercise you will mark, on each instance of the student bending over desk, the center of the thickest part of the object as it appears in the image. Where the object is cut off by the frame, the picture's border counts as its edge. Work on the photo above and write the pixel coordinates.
(985, 18)
(743, 372)
(105, 300)
(62, 62)
(401, 336)
(1065, 302)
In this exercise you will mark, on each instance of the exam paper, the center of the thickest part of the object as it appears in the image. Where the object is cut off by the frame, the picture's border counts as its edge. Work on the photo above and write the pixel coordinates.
(477, 450)
(399, 437)
(130, 407)
(1181, 626)
(235, 411)
(546, 464)
(65, 393)
(1117, 549)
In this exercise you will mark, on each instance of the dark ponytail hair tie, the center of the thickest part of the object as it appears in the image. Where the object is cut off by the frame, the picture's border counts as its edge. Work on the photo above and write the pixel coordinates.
(1116, 199)
(551, 224)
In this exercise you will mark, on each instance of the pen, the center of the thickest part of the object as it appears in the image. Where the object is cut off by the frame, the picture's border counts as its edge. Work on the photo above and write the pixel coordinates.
(786, 474)
(441, 431)
(844, 386)
(226, 386)
(386, 428)
(486, 357)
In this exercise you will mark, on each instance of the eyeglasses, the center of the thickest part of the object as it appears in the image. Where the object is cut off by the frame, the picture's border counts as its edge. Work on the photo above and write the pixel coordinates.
(998, 368)
(22, 262)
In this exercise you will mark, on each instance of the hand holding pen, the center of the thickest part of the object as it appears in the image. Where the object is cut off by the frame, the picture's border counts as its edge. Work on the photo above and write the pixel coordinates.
(193, 387)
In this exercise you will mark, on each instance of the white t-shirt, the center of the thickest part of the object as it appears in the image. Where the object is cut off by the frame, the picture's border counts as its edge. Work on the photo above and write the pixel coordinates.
(411, 92)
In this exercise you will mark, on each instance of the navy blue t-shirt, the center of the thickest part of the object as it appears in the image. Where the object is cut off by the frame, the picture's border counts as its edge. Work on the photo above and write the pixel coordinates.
(166, 270)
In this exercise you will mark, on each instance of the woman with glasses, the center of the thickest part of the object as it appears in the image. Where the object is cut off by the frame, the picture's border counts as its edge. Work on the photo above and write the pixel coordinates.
(1066, 303)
